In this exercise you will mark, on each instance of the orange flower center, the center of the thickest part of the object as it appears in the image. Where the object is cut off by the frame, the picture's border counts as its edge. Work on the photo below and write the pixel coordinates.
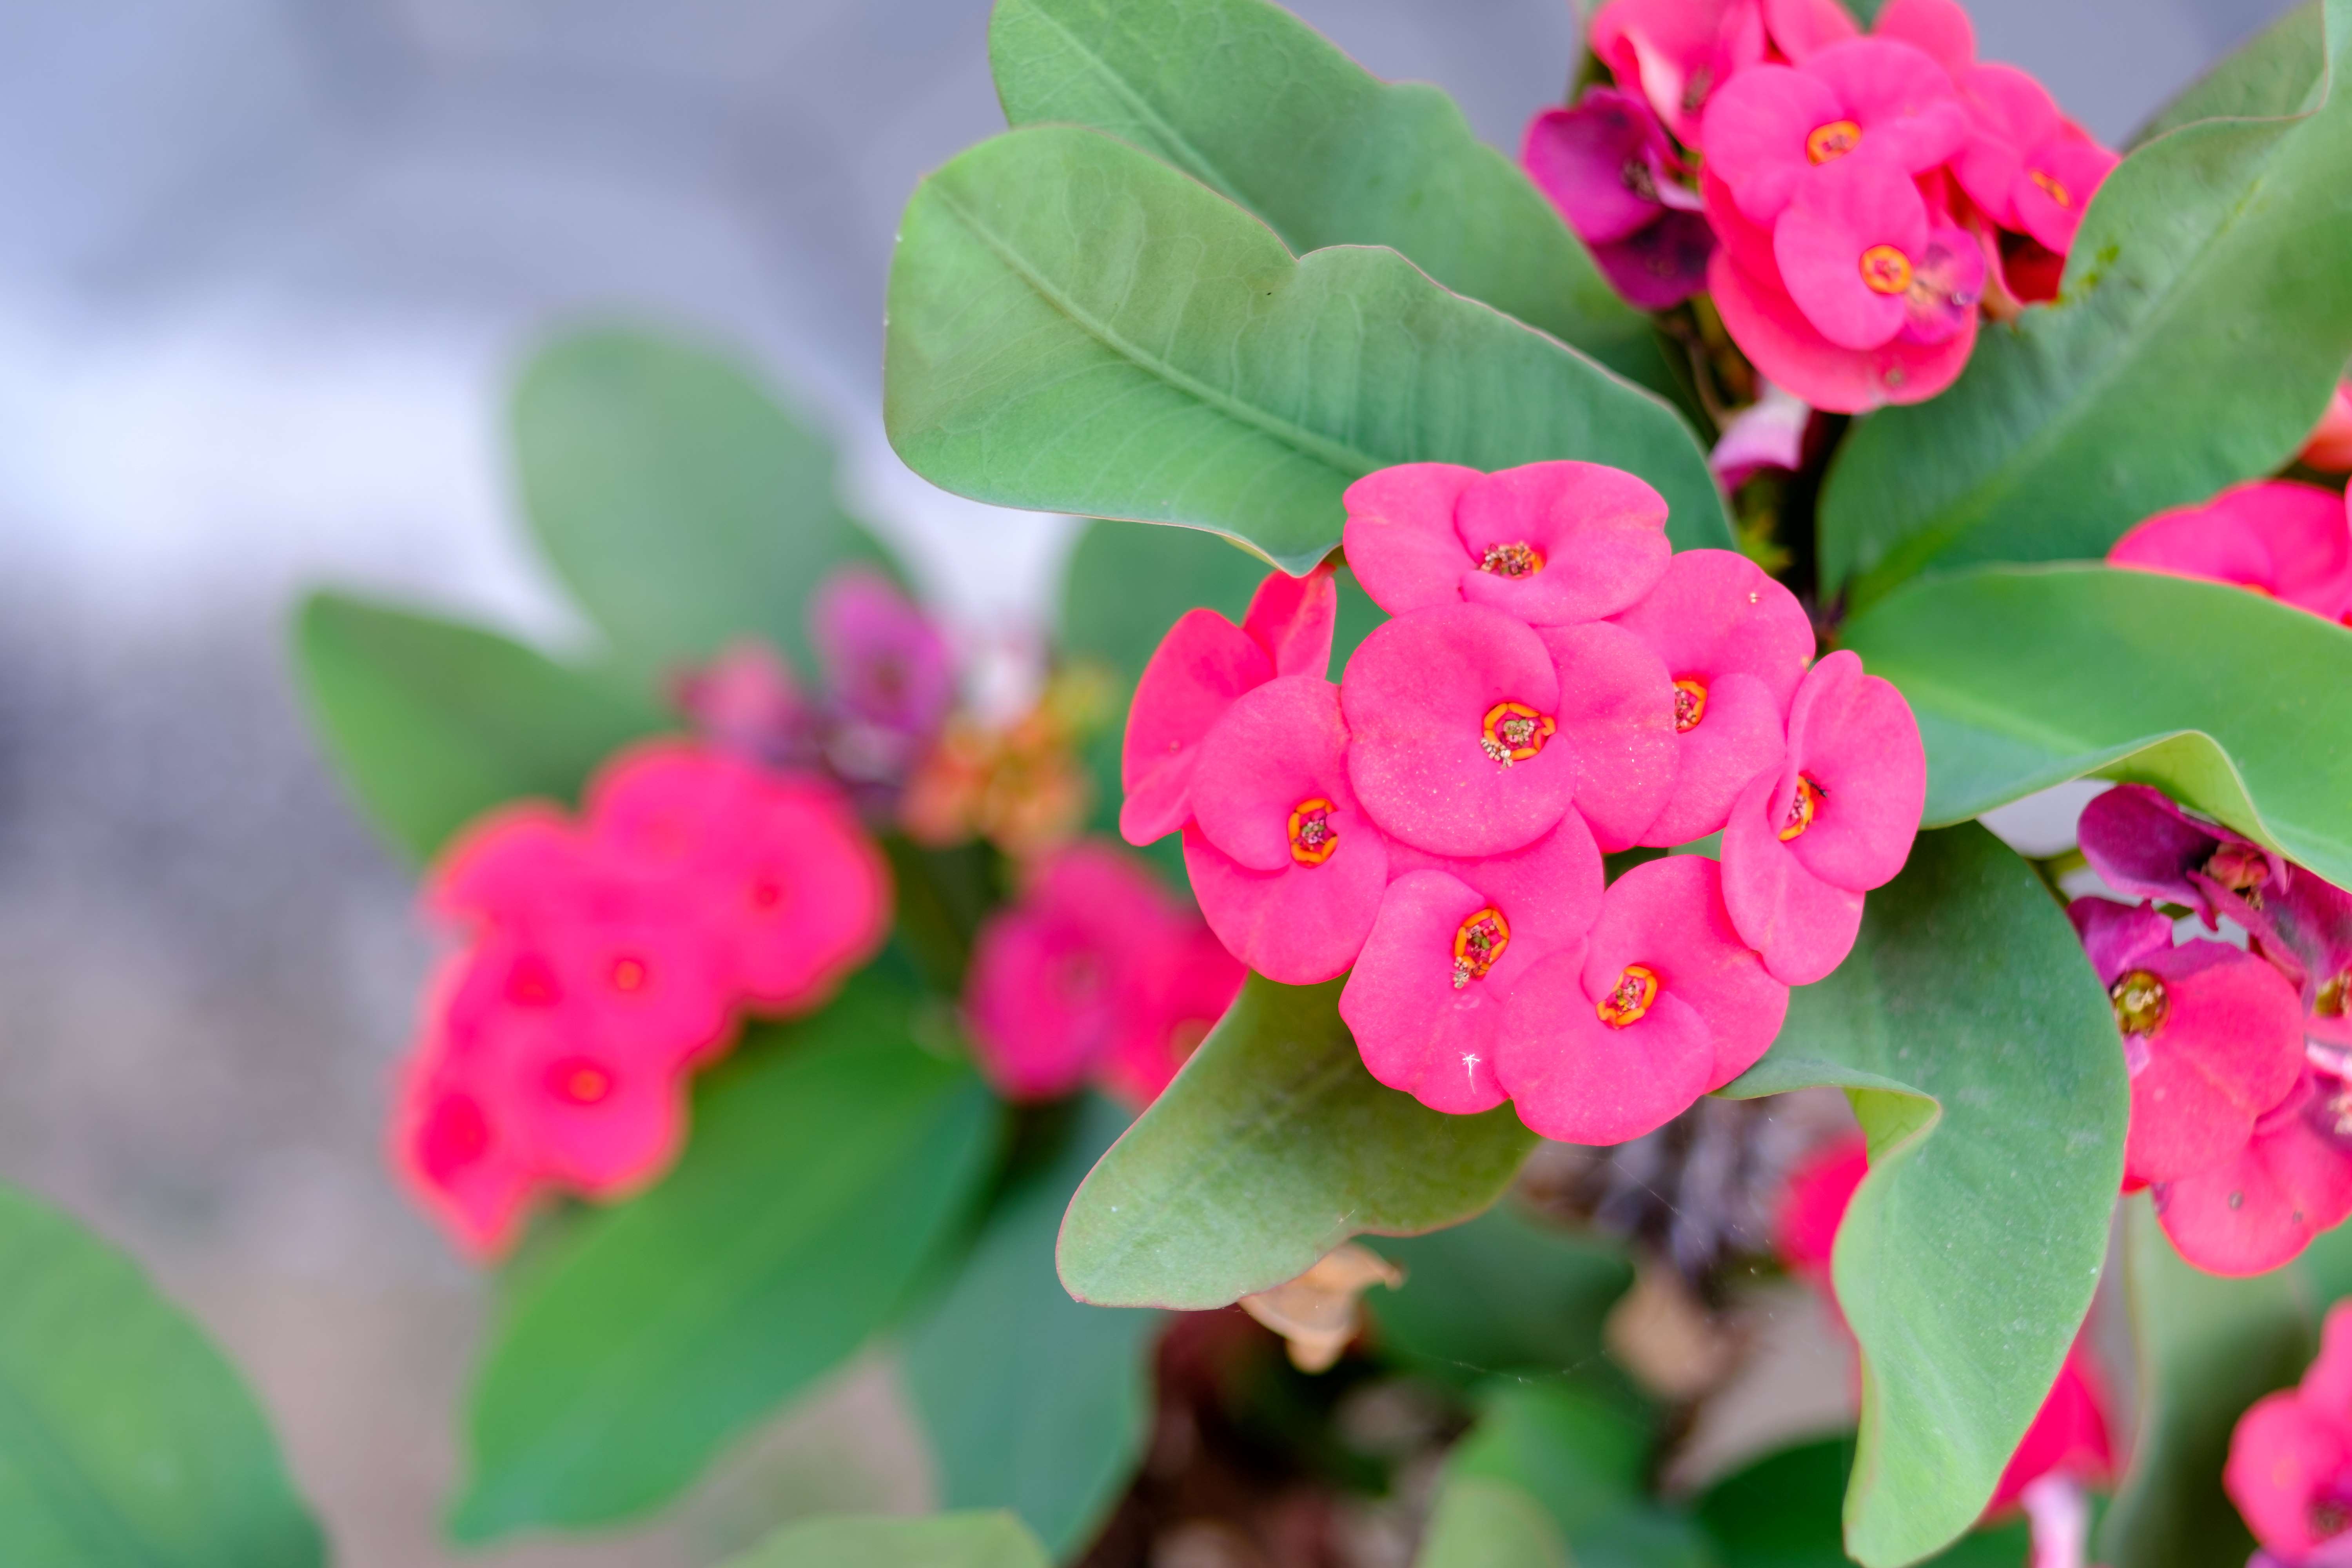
(1631, 997)
(1312, 835)
(580, 1082)
(630, 974)
(2051, 187)
(1516, 559)
(2330, 1002)
(1513, 733)
(1886, 270)
(1477, 943)
(1834, 140)
(2139, 1002)
(1690, 704)
(2239, 868)
(1803, 806)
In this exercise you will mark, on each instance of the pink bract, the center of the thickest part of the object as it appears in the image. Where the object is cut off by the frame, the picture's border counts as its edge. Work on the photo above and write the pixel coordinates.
(1770, 433)
(517, 858)
(593, 1113)
(1736, 643)
(1549, 892)
(2068, 1437)
(1860, 255)
(1661, 266)
(1288, 870)
(1193, 676)
(1550, 543)
(1814, 1204)
(1771, 129)
(1606, 163)
(1424, 1011)
(2290, 1466)
(2330, 450)
(2309, 934)
(1836, 818)
(1617, 712)
(2027, 166)
(2212, 1037)
(1679, 51)
(452, 1148)
(884, 663)
(2144, 847)
(1184, 985)
(1451, 715)
(746, 702)
(807, 901)
(1940, 29)
(2291, 541)
(2293, 1180)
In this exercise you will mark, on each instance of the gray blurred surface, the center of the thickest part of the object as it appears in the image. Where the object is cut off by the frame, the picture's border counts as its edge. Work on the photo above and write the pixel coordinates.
(266, 268)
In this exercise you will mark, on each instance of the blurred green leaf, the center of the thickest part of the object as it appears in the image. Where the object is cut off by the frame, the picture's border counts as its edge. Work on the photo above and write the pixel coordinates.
(2205, 318)
(829, 1159)
(2208, 1348)
(1264, 110)
(1782, 1511)
(1033, 1402)
(1585, 1458)
(2026, 677)
(1979, 1049)
(1062, 302)
(1501, 1293)
(2278, 71)
(432, 722)
(1483, 1523)
(680, 505)
(948, 1540)
(1272, 1147)
(124, 1436)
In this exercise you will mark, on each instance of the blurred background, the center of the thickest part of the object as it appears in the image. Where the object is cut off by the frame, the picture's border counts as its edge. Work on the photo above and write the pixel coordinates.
(265, 269)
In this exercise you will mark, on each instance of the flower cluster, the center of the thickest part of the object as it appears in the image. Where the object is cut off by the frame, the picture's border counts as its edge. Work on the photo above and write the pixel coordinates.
(2241, 1112)
(2289, 540)
(2290, 1467)
(2068, 1442)
(1555, 684)
(1094, 973)
(604, 959)
(1850, 202)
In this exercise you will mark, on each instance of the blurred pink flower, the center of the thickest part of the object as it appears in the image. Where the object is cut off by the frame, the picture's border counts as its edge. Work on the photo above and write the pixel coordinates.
(2289, 540)
(2330, 450)
(747, 701)
(1807, 838)
(1425, 535)
(885, 664)
(2027, 166)
(1770, 433)
(2290, 1466)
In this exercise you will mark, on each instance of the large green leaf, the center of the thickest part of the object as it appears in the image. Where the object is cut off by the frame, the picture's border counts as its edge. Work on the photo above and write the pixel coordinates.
(432, 722)
(1480, 1522)
(1075, 326)
(948, 1540)
(2208, 1348)
(681, 506)
(1502, 1293)
(2205, 317)
(829, 1161)
(1266, 111)
(1033, 1401)
(2026, 677)
(124, 1438)
(1979, 1049)
(1585, 1457)
(1272, 1147)
(1782, 1512)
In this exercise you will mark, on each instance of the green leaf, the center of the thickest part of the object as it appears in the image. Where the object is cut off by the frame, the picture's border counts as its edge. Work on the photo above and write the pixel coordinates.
(1483, 1523)
(1584, 1457)
(829, 1161)
(948, 1540)
(2275, 72)
(1033, 1401)
(432, 722)
(1266, 111)
(124, 1436)
(2208, 1348)
(2205, 318)
(1782, 1511)
(1075, 326)
(1979, 1049)
(1501, 1293)
(1272, 1147)
(680, 505)
(2026, 677)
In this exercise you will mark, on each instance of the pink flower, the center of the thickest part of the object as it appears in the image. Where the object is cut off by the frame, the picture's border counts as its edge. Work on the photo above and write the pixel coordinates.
(1288, 870)
(885, 665)
(1094, 971)
(2212, 1037)
(1616, 713)
(1864, 260)
(517, 858)
(2291, 541)
(1770, 433)
(451, 1147)
(1764, 318)
(1806, 839)
(2330, 450)
(2290, 1467)
(746, 702)
(1452, 722)
(1550, 543)
(1813, 1206)
(1609, 168)
(1940, 30)
(1735, 643)
(2144, 847)
(1769, 130)
(2292, 1181)
(1198, 669)
(1679, 51)
(2027, 166)
(1606, 1041)
(2307, 932)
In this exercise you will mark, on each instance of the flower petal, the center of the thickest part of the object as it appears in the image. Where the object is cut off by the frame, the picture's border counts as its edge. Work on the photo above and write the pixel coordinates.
(1668, 917)
(1415, 1028)
(1198, 669)
(1576, 1079)
(1400, 536)
(1617, 709)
